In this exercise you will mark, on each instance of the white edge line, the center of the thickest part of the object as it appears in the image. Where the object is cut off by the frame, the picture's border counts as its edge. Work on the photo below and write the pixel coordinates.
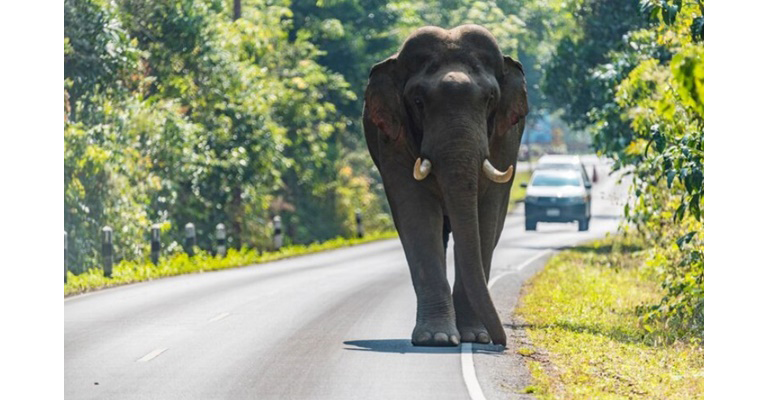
(151, 355)
(467, 361)
(520, 267)
(468, 371)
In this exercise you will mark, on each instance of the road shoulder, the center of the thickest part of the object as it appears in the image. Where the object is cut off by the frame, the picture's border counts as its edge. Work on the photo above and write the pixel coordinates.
(582, 336)
(506, 375)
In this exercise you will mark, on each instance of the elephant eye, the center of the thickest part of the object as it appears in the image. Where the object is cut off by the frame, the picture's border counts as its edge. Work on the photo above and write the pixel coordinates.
(419, 102)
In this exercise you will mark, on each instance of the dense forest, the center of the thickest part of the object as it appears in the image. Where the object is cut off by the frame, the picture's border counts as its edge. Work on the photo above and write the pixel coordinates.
(233, 112)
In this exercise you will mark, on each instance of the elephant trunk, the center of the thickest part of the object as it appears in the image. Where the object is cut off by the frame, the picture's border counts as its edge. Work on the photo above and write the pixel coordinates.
(461, 203)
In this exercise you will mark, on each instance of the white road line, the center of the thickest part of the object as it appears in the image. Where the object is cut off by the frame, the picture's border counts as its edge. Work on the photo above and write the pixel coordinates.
(219, 317)
(467, 361)
(520, 267)
(151, 355)
(468, 371)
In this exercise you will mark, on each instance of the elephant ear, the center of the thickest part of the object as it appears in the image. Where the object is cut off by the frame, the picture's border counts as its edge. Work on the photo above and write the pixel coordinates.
(384, 105)
(513, 104)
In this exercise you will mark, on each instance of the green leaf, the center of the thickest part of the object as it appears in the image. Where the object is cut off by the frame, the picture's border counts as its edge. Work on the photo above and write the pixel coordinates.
(697, 29)
(671, 177)
(669, 12)
(679, 213)
(694, 206)
(685, 238)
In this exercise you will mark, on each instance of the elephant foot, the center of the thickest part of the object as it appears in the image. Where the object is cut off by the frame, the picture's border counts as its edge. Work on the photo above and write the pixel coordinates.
(435, 333)
(470, 327)
(475, 333)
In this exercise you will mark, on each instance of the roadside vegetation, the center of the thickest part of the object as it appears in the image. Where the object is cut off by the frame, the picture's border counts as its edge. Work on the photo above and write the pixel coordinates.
(624, 317)
(589, 337)
(180, 263)
(634, 79)
(180, 111)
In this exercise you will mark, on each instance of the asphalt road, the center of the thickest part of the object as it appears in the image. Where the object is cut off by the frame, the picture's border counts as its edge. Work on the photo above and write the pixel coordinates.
(333, 325)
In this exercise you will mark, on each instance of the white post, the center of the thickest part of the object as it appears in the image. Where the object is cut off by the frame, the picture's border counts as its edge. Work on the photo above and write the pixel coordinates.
(277, 239)
(190, 238)
(221, 240)
(106, 250)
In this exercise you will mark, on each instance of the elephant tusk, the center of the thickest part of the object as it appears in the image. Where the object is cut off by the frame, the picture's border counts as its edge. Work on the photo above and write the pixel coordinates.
(496, 175)
(421, 169)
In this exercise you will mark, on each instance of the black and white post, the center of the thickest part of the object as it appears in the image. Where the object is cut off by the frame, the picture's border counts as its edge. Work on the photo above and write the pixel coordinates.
(65, 256)
(221, 240)
(106, 250)
(155, 244)
(359, 222)
(190, 240)
(277, 238)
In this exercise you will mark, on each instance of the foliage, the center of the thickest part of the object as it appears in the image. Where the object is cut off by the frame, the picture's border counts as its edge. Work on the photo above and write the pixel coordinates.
(574, 79)
(180, 263)
(640, 90)
(580, 314)
(174, 113)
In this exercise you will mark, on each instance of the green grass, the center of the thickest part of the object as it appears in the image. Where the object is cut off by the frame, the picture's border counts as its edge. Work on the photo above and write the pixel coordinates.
(137, 271)
(581, 315)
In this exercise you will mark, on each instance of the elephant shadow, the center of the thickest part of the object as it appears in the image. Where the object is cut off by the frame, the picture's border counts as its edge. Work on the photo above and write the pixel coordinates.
(404, 346)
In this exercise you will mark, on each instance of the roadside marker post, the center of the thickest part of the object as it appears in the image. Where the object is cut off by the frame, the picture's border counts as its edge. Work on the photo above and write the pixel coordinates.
(277, 238)
(155, 244)
(190, 239)
(359, 222)
(221, 240)
(65, 256)
(106, 250)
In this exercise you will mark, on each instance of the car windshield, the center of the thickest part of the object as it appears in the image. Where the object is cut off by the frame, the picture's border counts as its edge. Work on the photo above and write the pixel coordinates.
(557, 166)
(556, 180)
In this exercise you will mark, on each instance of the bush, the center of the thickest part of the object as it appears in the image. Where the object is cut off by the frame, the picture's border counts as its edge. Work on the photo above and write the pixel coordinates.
(180, 263)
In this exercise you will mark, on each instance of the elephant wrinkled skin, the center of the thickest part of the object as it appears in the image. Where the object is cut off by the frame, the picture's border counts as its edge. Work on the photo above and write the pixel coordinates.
(440, 117)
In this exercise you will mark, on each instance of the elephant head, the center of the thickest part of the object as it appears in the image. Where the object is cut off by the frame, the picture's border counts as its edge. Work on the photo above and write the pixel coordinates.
(449, 108)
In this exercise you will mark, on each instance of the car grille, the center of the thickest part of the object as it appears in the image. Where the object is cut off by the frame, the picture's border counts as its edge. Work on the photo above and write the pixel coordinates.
(555, 201)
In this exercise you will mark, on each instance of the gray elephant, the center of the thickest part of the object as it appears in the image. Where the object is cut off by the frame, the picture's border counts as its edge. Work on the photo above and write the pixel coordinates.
(439, 117)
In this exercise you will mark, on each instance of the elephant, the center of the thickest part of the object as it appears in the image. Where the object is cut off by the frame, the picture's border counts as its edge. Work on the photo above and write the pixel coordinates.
(439, 116)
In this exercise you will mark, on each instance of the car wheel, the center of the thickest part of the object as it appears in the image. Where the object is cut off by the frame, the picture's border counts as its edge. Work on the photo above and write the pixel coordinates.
(583, 224)
(530, 224)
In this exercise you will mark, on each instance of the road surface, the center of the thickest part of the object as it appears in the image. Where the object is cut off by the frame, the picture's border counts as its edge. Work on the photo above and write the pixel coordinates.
(333, 325)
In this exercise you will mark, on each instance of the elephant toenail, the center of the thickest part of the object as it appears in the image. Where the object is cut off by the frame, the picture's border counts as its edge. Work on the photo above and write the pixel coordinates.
(441, 338)
(423, 337)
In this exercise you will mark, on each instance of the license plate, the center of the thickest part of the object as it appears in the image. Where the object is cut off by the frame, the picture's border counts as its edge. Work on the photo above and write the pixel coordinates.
(553, 212)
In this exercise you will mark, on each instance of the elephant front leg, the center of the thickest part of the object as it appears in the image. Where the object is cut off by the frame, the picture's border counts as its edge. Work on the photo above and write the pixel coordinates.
(419, 223)
(492, 212)
(435, 315)
(469, 325)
